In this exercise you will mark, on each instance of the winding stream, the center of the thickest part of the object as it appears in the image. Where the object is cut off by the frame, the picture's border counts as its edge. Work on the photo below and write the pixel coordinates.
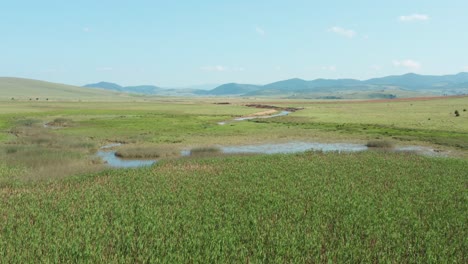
(282, 113)
(109, 157)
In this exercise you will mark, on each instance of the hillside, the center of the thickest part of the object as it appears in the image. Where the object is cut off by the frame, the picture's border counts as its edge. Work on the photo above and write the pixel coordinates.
(231, 89)
(25, 89)
(396, 86)
(140, 89)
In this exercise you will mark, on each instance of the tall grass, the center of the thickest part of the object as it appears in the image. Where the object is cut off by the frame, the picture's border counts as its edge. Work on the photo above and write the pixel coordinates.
(42, 154)
(375, 207)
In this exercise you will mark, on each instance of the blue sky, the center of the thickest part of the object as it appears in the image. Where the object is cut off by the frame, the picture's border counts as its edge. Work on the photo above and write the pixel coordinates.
(182, 43)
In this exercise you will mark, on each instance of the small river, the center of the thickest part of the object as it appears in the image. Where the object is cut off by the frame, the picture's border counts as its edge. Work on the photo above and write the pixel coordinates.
(108, 156)
(282, 113)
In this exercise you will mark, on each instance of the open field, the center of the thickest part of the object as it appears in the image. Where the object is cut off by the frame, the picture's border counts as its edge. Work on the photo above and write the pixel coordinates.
(60, 203)
(313, 207)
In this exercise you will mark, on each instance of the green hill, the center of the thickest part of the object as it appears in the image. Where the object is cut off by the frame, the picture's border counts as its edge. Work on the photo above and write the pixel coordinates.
(27, 89)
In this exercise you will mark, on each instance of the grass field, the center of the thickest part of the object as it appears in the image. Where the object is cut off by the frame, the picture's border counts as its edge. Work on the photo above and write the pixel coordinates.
(59, 203)
(313, 207)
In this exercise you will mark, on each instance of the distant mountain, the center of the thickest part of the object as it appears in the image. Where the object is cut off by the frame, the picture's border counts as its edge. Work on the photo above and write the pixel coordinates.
(105, 85)
(406, 85)
(231, 89)
(288, 85)
(327, 88)
(208, 86)
(140, 89)
(417, 82)
(143, 89)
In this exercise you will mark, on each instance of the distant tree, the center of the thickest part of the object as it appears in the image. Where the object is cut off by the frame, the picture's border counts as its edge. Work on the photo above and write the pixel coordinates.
(12, 98)
(47, 99)
(37, 98)
(457, 113)
(464, 110)
(30, 99)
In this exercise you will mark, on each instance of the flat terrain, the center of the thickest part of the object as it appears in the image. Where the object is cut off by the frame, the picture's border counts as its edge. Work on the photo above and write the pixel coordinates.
(59, 202)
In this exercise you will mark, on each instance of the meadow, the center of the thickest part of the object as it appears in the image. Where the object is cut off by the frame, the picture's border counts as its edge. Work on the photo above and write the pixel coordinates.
(60, 203)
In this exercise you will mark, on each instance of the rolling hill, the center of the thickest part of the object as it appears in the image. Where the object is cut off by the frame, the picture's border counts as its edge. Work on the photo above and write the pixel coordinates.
(28, 89)
(140, 89)
(231, 89)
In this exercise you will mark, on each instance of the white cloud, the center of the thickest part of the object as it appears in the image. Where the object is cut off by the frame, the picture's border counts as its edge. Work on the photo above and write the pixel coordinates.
(376, 67)
(410, 64)
(465, 69)
(86, 29)
(343, 32)
(260, 31)
(414, 17)
(329, 68)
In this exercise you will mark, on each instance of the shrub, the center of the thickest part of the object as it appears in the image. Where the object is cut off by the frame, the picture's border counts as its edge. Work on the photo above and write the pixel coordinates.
(456, 113)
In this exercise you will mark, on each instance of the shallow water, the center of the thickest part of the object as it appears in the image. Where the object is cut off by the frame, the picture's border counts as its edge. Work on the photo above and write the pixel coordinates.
(297, 147)
(116, 162)
(422, 151)
(293, 147)
(273, 148)
(282, 113)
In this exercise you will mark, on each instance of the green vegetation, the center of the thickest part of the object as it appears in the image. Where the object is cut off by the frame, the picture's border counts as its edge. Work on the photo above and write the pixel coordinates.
(58, 202)
(313, 207)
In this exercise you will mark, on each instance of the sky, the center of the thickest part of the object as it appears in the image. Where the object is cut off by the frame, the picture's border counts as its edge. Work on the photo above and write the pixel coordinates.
(184, 43)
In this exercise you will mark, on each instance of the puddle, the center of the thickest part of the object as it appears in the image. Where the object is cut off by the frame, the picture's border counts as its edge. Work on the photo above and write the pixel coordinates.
(116, 162)
(422, 151)
(111, 160)
(297, 147)
(282, 113)
(294, 147)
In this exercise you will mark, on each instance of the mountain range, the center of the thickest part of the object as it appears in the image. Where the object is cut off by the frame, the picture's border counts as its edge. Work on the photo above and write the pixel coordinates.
(406, 85)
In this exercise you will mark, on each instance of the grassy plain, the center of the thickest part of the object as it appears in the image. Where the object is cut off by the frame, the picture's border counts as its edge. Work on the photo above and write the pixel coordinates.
(313, 207)
(59, 203)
